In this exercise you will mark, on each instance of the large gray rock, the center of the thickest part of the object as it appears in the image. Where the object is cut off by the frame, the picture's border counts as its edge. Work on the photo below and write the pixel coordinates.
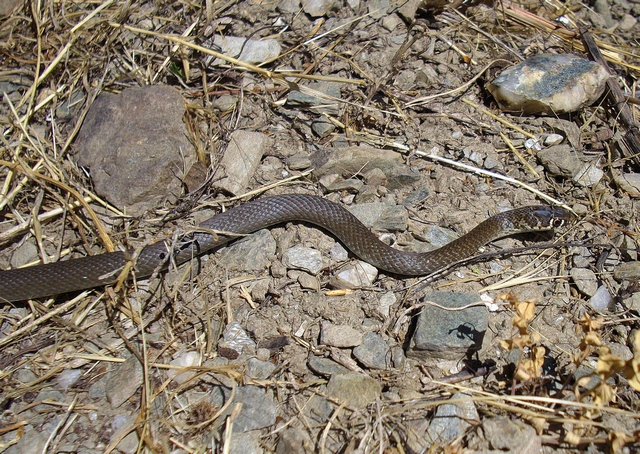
(135, 146)
(448, 334)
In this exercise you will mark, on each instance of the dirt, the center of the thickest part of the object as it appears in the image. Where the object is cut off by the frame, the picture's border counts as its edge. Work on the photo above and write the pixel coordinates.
(187, 313)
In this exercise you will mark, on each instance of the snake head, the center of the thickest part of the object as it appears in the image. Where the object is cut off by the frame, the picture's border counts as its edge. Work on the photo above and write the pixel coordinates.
(540, 218)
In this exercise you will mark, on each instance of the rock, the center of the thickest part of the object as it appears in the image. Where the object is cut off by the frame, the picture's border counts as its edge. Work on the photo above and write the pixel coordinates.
(236, 338)
(251, 253)
(121, 425)
(25, 253)
(258, 409)
(356, 390)
(633, 302)
(98, 390)
(398, 358)
(240, 160)
(323, 127)
(303, 258)
(387, 300)
(552, 140)
(628, 271)
(246, 443)
(68, 378)
(306, 98)
(253, 50)
(7, 7)
(69, 108)
(124, 381)
(359, 274)
(549, 83)
(224, 103)
(452, 420)
(448, 334)
(338, 253)
(585, 280)
(627, 23)
(511, 435)
(560, 160)
(602, 300)
(352, 185)
(381, 216)
(299, 161)
(349, 161)
(294, 440)
(408, 10)
(588, 175)
(186, 360)
(325, 366)
(319, 8)
(373, 352)
(438, 236)
(260, 370)
(31, 441)
(390, 22)
(629, 183)
(308, 281)
(341, 336)
(133, 143)
(378, 8)
(289, 6)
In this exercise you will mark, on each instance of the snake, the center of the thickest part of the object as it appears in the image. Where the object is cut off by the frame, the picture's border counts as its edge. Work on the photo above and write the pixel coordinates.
(103, 269)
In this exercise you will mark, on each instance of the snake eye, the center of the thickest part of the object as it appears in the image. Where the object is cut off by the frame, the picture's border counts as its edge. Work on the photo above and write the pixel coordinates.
(557, 222)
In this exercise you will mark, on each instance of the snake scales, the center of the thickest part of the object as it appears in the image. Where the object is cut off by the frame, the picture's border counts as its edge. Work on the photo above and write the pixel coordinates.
(93, 271)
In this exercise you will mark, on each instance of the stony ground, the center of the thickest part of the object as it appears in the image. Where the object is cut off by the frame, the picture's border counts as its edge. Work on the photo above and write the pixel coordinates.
(283, 342)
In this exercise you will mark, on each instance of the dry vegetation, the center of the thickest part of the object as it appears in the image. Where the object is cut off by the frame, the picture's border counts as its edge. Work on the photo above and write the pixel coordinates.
(58, 56)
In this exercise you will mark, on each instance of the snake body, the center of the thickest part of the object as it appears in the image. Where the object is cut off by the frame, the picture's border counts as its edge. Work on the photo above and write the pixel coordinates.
(93, 271)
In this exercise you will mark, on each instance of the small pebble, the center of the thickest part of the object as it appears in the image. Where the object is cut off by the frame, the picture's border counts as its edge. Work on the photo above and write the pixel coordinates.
(553, 139)
(303, 258)
(601, 300)
(356, 275)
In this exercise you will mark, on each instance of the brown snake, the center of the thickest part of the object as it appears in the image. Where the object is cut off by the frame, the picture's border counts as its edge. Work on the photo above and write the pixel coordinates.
(93, 271)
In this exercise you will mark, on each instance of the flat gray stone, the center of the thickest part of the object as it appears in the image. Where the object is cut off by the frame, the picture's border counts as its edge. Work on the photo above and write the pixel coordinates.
(246, 443)
(32, 441)
(303, 258)
(628, 271)
(325, 366)
(260, 370)
(240, 160)
(509, 435)
(341, 336)
(246, 50)
(356, 390)
(134, 145)
(452, 420)
(358, 274)
(124, 381)
(381, 216)
(373, 352)
(236, 338)
(602, 299)
(585, 279)
(448, 334)
(438, 236)
(294, 440)
(629, 183)
(560, 160)
(318, 8)
(258, 409)
(349, 161)
(251, 253)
